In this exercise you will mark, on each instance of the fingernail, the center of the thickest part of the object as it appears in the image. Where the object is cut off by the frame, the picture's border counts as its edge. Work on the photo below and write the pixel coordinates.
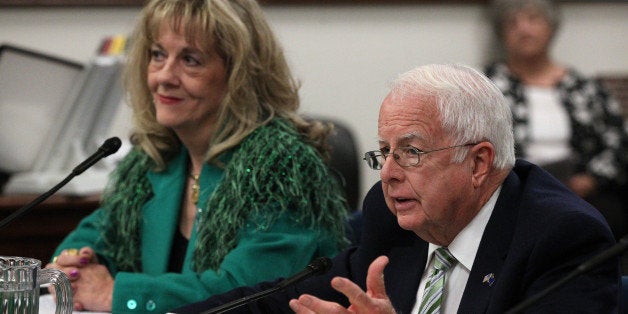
(337, 283)
(84, 260)
(294, 305)
(74, 273)
(305, 300)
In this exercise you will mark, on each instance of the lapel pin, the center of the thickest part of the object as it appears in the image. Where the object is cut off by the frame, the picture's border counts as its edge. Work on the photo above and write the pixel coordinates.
(489, 279)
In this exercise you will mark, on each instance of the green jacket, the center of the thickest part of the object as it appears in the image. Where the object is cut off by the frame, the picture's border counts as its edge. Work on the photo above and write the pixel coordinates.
(279, 249)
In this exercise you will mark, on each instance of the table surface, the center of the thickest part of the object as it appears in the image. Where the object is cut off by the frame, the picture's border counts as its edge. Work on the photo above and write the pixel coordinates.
(47, 306)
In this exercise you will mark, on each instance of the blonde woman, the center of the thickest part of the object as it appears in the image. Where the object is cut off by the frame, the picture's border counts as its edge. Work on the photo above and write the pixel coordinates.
(226, 185)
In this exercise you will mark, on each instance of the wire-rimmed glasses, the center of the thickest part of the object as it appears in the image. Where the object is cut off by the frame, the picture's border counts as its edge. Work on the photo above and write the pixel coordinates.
(406, 156)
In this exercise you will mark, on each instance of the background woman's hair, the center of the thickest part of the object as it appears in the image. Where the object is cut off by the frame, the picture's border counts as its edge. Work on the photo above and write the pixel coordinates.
(502, 10)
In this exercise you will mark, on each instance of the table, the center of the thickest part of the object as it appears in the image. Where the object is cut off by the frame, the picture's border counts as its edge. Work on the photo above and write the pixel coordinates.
(47, 306)
(38, 233)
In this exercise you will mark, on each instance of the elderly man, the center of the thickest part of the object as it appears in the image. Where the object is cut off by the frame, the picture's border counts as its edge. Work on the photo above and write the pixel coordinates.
(456, 225)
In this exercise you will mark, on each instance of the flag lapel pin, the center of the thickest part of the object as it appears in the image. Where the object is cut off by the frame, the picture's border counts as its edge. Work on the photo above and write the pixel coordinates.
(489, 279)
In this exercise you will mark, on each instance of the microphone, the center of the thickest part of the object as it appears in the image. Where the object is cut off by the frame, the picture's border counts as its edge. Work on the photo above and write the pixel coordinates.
(596, 260)
(109, 147)
(317, 267)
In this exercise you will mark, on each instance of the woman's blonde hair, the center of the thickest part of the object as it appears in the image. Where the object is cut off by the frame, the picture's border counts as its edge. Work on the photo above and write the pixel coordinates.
(260, 84)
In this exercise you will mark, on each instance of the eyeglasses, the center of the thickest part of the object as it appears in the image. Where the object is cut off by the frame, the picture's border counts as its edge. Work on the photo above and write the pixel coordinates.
(404, 156)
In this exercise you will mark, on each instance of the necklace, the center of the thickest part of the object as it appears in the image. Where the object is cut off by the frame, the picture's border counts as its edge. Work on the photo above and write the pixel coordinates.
(195, 188)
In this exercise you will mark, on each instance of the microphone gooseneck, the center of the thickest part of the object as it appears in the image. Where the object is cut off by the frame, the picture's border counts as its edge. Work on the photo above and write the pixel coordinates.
(317, 267)
(604, 256)
(109, 147)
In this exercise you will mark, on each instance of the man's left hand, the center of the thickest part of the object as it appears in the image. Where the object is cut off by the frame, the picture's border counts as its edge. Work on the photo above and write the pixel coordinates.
(374, 300)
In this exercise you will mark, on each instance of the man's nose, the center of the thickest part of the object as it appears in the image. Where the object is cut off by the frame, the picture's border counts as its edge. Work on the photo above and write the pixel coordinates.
(390, 169)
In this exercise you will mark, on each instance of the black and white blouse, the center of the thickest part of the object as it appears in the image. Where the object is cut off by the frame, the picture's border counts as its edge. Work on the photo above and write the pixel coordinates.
(598, 138)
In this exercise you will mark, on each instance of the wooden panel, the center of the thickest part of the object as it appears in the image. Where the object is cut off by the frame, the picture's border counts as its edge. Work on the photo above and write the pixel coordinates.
(96, 3)
(38, 233)
(55, 3)
(107, 3)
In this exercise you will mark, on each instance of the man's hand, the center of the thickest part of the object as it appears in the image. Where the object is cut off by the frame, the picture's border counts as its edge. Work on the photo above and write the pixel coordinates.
(374, 300)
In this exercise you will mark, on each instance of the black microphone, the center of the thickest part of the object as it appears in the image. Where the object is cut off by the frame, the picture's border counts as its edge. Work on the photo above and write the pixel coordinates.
(317, 267)
(596, 260)
(109, 147)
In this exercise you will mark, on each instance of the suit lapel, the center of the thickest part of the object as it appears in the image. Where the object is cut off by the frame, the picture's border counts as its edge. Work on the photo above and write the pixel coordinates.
(403, 274)
(407, 253)
(159, 214)
(493, 249)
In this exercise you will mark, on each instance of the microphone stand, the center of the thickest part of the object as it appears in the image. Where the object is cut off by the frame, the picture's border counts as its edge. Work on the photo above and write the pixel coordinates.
(609, 253)
(28, 207)
(245, 300)
(318, 266)
(109, 147)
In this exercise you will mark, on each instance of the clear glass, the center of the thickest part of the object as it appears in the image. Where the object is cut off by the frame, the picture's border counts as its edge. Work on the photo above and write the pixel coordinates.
(20, 280)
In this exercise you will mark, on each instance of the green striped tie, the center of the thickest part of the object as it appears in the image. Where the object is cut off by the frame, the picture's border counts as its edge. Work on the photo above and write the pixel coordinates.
(433, 294)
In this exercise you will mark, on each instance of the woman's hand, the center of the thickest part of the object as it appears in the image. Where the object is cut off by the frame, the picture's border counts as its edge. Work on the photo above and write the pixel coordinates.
(93, 290)
(583, 184)
(71, 260)
(92, 285)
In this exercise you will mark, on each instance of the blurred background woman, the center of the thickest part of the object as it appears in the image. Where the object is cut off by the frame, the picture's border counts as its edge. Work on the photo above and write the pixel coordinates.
(564, 121)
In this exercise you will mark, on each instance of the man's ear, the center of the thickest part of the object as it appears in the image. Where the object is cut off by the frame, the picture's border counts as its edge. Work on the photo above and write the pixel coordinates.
(483, 154)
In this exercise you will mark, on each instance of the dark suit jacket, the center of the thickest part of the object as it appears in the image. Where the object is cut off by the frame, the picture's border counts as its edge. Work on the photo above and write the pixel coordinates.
(538, 232)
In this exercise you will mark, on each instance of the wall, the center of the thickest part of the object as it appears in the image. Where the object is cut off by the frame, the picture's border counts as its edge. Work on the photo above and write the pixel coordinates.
(344, 55)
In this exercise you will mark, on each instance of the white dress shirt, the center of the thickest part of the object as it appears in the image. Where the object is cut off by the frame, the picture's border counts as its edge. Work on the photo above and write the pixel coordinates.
(464, 248)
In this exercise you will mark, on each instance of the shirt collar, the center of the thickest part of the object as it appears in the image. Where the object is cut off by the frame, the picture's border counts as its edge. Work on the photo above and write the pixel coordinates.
(465, 245)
